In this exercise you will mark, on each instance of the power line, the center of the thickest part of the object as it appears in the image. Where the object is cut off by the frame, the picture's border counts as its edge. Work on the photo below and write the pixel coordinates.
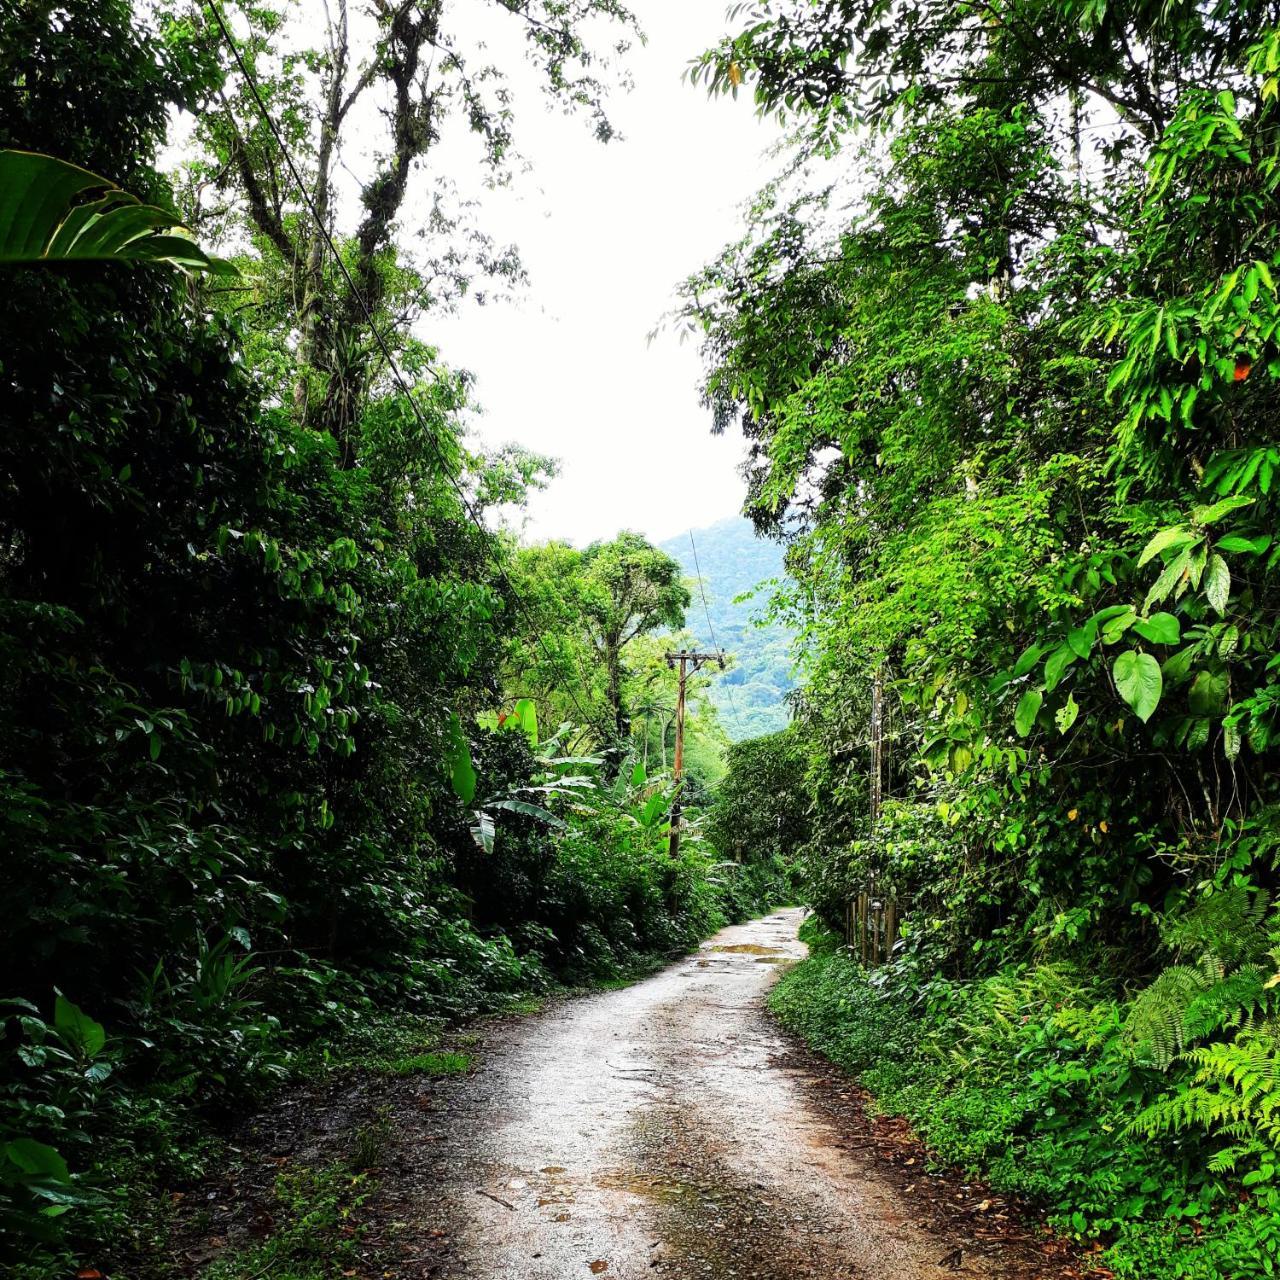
(428, 431)
(715, 644)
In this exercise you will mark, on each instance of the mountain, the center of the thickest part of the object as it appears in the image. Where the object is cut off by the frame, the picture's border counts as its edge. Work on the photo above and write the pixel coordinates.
(732, 560)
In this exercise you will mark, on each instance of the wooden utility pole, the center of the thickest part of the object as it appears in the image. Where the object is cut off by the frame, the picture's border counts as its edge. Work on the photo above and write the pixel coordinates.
(690, 664)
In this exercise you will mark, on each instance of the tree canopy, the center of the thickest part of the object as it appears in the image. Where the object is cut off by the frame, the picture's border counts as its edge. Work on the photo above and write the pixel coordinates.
(1002, 342)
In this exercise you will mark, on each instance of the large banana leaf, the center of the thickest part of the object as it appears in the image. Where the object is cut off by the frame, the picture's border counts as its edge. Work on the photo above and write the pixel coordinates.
(51, 211)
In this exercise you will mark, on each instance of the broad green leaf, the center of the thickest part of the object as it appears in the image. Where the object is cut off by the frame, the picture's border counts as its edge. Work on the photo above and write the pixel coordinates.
(1160, 628)
(1115, 627)
(1138, 681)
(512, 805)
(1236, 542)
(1024, 718)
(960, 758)
(1208, 693)
(1217, 584)
(1197, 734)
(1055, 664)
(655, 807)
(37, 1158)
(1081, 639)
(1175, 669)
(1196, 563)
(526, 716)
(77, 1028)
(462, 774)
(484, 833)
(1029, 658)
(1168, 579)
(638, 774)
(51, 211)
(1065, 716)
(1111, 611)
(1230, 739)
(1174, 536)
(1212, 514)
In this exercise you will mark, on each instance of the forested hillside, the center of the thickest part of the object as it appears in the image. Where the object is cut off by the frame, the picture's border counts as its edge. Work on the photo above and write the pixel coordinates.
(731, 561)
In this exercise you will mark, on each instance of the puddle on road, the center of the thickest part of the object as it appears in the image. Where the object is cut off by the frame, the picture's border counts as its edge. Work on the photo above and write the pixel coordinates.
(651, 1186)
(749, 949)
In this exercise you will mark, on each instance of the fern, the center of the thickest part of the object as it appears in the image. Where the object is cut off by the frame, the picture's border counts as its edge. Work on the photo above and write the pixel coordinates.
(1234, 1093)
(1228, 1004)
(1228, 923)
(1216, 982)
(1157, 1021)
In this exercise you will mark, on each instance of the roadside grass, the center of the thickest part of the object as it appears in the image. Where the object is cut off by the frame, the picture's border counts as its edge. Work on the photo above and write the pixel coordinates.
(316, 1231)
(436, 1062)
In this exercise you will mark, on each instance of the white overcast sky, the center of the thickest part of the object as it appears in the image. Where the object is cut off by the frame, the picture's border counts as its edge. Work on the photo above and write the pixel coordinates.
(606, 233)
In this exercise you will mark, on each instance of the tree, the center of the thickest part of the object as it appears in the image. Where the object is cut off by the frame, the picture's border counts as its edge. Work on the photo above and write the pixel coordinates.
(417, 60)
(629, 589)
(1009, 376)
(762, 806)
(588, 607)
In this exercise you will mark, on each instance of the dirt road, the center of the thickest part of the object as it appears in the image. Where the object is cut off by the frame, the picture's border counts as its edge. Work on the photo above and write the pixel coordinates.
(659, 1131)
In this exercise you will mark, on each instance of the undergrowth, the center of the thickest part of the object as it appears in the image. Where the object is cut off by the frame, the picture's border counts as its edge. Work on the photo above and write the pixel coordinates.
(316, 1230)
(1033, 1079)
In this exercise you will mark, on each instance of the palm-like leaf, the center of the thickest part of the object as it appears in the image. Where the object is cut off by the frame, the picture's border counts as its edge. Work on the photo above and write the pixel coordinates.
(52, 211)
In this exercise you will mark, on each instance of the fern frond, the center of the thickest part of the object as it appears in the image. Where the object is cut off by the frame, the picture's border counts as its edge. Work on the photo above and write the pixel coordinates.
(1228, 924)
(1228, 1004)
(1157, 1021)
(1234, 1093)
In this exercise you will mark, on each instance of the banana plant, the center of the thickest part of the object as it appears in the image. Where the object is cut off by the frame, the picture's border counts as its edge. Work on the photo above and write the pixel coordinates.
(53, 212)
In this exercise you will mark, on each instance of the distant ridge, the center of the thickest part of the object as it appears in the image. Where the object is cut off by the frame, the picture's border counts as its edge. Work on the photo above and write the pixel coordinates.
(733, 561)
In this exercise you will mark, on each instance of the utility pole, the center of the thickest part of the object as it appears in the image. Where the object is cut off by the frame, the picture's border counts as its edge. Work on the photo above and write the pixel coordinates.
(691, 663)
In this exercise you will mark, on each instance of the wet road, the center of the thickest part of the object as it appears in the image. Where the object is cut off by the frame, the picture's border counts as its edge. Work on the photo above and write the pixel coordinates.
(657, 1131)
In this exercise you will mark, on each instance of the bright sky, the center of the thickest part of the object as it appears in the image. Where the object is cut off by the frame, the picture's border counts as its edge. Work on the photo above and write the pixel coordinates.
(606, 234)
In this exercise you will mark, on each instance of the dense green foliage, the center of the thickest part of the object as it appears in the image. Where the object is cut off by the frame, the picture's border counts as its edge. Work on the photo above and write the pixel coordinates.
(590, 646)
(758, 805)
(268, 775)
(1028, 1076)
(736, 570)
(1003, 341)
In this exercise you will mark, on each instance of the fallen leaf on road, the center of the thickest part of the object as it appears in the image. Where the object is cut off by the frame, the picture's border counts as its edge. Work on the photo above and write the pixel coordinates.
(599, 1267)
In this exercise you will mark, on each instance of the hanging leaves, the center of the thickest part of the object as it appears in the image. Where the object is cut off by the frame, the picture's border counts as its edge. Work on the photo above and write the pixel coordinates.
(1138, 681)
(51, 211)
(1024, 718)
(462, 774)
(1065, 716)
(79, 1030)
(1217, 584)
(1160, 628)
(1056, 663)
